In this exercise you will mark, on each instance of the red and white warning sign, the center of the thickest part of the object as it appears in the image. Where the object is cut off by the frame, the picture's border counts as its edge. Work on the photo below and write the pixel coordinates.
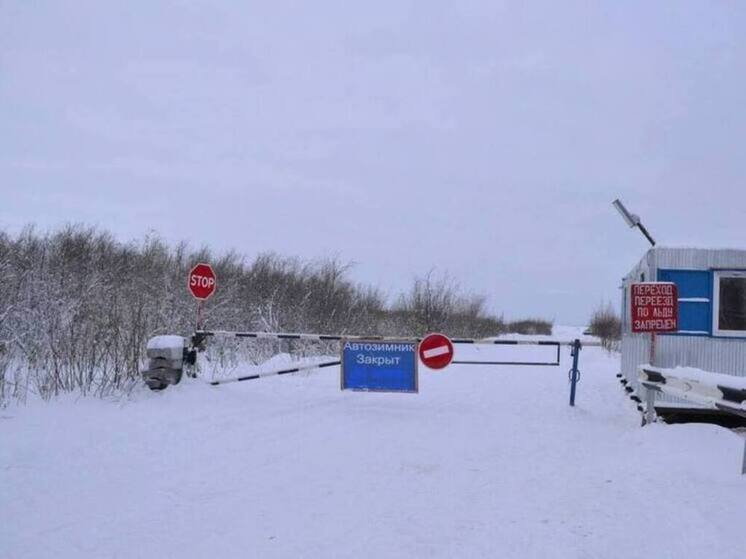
(202, 281)
(655, 307)
(436, 351)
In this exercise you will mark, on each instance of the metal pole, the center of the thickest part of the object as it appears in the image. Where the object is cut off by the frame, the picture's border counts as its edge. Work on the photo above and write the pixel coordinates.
(650, 406)
(652, 348)
(645, 232)
(574, 373)
(743, 468)
(199, 314)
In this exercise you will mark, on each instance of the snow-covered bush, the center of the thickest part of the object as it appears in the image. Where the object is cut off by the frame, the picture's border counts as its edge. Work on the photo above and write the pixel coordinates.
(77, 308)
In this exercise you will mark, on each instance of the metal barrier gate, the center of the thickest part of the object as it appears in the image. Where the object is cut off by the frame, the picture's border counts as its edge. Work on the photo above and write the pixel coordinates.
(200, 337)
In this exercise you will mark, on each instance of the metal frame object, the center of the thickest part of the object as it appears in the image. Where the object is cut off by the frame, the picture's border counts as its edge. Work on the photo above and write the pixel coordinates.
(712, 394)
(511, 343)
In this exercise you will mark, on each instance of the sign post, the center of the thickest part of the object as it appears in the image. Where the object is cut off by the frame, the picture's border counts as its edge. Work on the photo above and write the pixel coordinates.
(655, 308)
(202, 284)
(576, 346)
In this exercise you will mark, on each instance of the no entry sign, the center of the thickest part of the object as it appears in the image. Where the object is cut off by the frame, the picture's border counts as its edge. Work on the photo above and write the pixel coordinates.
(202, 282)
(655, 307)
(436, 351)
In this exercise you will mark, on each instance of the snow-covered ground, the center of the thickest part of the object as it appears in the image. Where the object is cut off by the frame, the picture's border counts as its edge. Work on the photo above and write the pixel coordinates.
(483, 462)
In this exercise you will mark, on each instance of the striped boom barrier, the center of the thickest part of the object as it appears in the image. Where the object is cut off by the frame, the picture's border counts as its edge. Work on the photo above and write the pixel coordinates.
(203, 334)
(713, 394)
(275, 373)
(711, 390)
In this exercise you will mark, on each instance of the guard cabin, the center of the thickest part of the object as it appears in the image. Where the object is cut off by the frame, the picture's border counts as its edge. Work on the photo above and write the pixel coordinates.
(712, 319)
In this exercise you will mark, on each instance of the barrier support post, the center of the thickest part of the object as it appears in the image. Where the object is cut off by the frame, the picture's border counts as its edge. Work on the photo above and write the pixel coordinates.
(574, 373)
(649, 406)
(199, 313)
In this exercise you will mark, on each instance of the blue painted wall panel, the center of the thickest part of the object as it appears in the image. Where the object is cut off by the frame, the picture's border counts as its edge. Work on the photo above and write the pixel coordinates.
(695, 317)
(692, 284)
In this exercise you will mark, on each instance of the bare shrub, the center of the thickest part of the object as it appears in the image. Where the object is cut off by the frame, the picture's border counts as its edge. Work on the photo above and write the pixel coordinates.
(435, 303)
(429, 304)
(607, 325)
(532, 326)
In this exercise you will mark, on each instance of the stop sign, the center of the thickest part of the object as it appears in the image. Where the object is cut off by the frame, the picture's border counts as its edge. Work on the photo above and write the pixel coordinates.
(202, 282)
(436, 351)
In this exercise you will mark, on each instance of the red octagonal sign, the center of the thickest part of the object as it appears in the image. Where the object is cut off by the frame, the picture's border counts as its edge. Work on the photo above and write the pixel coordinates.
(202, 281)
(436, 351)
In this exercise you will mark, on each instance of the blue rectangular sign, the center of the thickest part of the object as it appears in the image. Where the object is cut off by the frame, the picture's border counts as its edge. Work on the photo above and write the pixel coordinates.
(379, 366)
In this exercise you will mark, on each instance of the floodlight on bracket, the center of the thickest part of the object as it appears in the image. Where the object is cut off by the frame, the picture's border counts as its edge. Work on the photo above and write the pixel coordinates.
(633, 220)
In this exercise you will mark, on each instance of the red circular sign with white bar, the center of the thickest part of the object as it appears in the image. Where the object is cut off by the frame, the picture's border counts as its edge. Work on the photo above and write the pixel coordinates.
(202, 281)
(436, 351)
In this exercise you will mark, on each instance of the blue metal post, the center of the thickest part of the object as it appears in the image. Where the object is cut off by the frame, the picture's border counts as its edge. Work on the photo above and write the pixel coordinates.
(574, 373)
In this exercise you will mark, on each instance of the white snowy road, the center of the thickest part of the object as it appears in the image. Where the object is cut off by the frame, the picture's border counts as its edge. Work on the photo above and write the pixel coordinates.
(483, 462)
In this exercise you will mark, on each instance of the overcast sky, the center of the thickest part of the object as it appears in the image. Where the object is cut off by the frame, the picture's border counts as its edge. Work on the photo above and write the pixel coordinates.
(483, 138)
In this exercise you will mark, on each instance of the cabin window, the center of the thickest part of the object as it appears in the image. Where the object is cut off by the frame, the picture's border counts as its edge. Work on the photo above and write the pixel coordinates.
(729, 318)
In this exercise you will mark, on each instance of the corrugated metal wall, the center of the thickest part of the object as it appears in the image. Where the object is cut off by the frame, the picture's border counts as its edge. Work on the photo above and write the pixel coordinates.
(697, 258)
(635, 352)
